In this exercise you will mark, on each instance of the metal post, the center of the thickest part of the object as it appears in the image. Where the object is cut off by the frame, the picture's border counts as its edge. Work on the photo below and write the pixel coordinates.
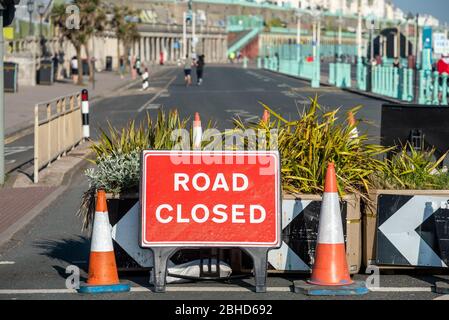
(359, 32)
(93, 61)
(372, 39)
(359, 44)
(416, 89)
(184, 35)
(2, 103)
(339, 38)
(298, 38)
(194, 32)
(407, 35)
(399, 41)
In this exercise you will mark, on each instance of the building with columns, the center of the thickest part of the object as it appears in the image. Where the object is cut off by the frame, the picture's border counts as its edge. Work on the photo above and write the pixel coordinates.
(167, 39)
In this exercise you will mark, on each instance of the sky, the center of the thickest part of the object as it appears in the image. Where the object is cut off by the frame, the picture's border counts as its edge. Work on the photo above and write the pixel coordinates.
(437, 8)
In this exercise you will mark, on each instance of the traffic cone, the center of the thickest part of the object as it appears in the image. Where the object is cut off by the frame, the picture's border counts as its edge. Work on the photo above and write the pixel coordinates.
(330, 274)
(331, 267)
(103, 275)
(266, 116)
(197, 131)
(352, 123)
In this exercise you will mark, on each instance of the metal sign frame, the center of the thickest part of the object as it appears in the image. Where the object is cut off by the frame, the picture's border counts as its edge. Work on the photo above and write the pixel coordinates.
(259, 254)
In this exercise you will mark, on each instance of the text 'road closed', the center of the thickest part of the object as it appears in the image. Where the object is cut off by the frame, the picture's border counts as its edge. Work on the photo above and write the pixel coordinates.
(210, 204)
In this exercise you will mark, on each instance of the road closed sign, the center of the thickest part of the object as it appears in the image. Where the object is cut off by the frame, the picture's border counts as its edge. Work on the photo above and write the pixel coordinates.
(194, 198)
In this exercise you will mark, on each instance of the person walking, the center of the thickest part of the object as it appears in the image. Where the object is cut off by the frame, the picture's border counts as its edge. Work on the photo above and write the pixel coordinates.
(161, 58)
(138, 66)
(122, 67)
(442, 67)
(200, 69)
(74, 69)
(188, 62)
(396, 63)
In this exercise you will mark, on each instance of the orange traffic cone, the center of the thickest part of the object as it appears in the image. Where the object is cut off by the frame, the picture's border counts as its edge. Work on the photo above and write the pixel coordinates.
(330, 275)
(197, 131)
(330, 268)
(352, 123)
(266, 116)
(103, 275)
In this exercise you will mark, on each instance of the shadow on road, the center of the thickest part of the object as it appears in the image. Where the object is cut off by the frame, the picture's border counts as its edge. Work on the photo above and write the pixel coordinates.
(74, 251)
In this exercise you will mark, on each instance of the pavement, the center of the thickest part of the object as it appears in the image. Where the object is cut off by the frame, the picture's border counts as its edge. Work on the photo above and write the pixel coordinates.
(19, 106)
(33, 262)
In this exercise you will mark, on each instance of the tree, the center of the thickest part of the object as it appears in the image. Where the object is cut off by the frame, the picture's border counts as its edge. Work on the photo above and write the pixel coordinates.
(91, 19)
(125, 27)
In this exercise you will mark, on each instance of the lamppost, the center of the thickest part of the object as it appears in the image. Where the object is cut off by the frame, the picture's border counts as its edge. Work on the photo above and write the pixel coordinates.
(359, 33)
(41, 10)
(340, 21)
(416, 43)
(408, 18)
(398, 39)
(372, 26)
(30, 9)
(316, 16)
(298, 36)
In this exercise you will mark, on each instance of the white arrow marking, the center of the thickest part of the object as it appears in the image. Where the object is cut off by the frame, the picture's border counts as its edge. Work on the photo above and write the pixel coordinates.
(285, 258)
(125, 233)
(400, 230)
(13, 150)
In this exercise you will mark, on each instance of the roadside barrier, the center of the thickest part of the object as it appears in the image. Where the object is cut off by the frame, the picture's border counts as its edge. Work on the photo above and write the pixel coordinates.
(85, 112)
(302, 69)
(103, 274)
(407, 92)
(330, 273)
(433, 88)
(340, 75)
(57, 129)
(245, 62)
(362, 72)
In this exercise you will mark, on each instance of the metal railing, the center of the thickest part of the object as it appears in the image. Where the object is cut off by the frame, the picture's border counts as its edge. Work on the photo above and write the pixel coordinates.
(57, 129)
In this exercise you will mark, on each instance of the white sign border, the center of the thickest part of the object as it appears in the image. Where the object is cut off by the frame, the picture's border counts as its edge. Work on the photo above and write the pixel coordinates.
(275, 244)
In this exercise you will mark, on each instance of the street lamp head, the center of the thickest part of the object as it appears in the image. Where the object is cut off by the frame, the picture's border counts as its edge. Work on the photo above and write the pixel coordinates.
(41, 9)
(30, 6)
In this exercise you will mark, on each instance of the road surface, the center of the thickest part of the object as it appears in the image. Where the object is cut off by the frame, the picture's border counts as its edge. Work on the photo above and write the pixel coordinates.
(33, 263)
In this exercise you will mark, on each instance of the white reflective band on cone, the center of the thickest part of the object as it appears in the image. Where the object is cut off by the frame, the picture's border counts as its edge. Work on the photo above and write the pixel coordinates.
(86, 131)
(101, 235)
(354, 133)
(197, 136)
(330, 229)
(85, 106)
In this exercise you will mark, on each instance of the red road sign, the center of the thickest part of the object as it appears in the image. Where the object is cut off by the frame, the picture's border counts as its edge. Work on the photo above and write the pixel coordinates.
(192, 198)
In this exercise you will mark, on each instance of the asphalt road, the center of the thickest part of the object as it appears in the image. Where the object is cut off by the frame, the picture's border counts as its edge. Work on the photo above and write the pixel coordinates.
(33, 263)
(226, 93)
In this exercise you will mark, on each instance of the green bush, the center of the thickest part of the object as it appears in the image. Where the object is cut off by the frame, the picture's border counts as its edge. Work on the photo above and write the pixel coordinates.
(316, 137)
(412, 170)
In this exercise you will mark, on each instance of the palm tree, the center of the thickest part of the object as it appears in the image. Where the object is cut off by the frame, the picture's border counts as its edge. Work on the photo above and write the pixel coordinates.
(91, 19)
(125, 27)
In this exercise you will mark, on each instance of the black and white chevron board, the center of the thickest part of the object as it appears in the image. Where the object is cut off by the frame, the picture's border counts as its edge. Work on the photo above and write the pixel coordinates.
(300, 220)
(412, 230)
